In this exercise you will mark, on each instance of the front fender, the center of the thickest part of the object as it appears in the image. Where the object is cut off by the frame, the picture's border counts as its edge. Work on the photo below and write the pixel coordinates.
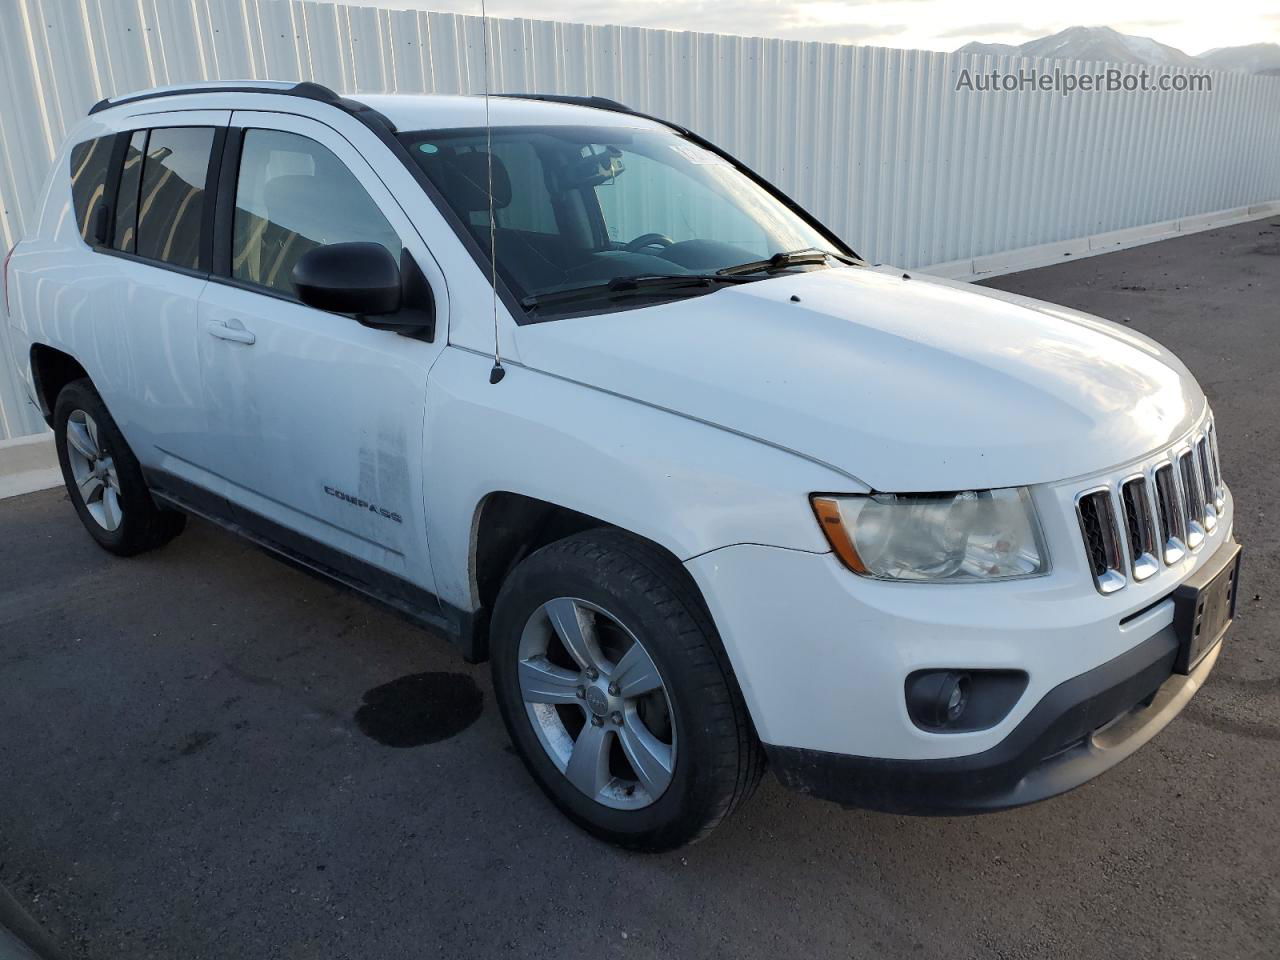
(687, 485)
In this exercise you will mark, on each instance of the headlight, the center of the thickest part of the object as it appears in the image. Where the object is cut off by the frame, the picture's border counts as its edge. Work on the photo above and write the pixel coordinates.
(951, 537)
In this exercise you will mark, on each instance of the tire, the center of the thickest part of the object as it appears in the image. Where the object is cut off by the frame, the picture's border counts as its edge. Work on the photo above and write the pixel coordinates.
(103, 478)
(692, 736)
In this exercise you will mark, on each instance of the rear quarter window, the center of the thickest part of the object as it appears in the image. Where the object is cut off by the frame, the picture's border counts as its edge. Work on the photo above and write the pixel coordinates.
(89, 163)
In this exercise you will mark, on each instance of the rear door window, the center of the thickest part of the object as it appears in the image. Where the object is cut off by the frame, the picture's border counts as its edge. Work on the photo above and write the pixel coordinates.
(89, 163)
(171, 200)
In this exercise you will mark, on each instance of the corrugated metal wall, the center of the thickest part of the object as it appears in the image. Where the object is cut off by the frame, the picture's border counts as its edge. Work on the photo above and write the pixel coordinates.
(879, 143)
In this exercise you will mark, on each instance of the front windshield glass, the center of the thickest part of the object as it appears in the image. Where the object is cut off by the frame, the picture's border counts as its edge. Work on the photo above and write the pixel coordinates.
(579, 207)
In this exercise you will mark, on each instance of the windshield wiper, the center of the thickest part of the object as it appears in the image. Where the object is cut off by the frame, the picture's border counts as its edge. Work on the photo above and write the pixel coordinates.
(627, 286)
(780, 261)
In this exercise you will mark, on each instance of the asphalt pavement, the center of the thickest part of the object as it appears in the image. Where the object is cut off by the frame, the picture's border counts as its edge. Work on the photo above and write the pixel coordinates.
(207, 754)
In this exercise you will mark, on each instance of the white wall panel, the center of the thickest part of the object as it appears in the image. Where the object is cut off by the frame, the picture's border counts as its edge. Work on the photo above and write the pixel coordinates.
(877, 142)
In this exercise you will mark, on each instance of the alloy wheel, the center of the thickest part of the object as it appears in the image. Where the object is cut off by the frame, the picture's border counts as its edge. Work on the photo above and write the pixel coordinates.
(94, 471)
(597, 703)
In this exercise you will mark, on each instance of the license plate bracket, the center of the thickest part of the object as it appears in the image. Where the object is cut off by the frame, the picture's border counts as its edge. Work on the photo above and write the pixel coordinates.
(1204, 608)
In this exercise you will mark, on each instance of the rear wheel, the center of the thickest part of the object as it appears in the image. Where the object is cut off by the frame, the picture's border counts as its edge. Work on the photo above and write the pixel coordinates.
(616, 692)
(103, 477)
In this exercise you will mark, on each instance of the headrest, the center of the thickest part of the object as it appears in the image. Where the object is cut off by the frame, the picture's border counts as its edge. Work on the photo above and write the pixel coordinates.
(280, 192)
(464, 177)
(301, 204)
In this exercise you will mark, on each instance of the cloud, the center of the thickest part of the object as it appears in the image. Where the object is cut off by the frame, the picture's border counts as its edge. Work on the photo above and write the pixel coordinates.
(834, 32)
(834, 21)
(919, 24)
(992, 29)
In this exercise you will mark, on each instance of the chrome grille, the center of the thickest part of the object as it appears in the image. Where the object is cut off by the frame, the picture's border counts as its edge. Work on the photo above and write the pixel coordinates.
(1155, 516)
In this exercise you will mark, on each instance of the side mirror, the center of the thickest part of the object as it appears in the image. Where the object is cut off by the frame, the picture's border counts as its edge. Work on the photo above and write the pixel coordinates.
(361, 278)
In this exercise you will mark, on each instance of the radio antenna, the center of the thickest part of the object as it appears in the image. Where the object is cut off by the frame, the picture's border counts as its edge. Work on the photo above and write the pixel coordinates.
(497, 373)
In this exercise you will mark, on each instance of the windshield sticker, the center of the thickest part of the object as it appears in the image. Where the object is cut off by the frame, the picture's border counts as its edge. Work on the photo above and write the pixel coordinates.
(695, 154)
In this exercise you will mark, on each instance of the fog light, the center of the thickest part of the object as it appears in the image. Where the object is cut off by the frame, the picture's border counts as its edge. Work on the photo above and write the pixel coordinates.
(958, 698)
(937, 698)
(961, 701)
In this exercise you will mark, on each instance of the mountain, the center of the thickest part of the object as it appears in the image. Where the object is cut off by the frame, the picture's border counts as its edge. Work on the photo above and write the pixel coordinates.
(1101, 44)
(1253, 58)
(1105, 45)
(995, 49)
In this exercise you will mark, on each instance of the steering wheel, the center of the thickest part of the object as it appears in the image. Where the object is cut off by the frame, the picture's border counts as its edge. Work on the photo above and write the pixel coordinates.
(648, 240)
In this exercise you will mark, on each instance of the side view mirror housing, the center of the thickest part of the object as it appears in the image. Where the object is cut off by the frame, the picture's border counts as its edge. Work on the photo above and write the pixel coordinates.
(349, 278)
(363, 279)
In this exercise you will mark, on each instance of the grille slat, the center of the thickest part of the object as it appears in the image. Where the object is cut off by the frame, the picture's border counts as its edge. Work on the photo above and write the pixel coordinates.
(1219, 494)
(1207, 484)
(1172, 534)
(1191, 498)
(1210, 463)
(1139, 527)
(1094, 540)
(1101, 539)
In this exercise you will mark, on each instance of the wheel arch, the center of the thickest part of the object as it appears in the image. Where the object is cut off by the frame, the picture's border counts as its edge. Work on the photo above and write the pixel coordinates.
(506, 528)
(51, 370)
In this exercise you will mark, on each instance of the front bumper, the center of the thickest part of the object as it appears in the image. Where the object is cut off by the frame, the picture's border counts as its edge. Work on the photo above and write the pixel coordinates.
(1080, 729)
(823, 673)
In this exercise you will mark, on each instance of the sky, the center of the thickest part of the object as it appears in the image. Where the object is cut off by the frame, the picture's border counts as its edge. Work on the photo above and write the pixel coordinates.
(1193, 27)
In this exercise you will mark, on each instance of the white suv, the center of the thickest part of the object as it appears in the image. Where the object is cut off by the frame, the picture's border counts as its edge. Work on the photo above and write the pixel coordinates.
(707, 490)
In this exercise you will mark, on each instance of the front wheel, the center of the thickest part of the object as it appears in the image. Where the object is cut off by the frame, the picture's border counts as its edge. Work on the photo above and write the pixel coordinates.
(616, 692)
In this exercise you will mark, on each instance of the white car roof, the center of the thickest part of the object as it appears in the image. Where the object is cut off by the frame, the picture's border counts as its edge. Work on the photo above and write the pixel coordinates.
(413, 111)
(441, 112)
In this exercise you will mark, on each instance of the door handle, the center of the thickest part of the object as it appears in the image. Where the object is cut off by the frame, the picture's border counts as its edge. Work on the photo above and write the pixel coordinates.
(229, 330)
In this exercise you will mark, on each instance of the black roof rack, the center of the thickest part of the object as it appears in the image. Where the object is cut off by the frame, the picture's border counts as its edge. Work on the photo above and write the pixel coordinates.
(603, 103)
(305, 89)
(600, 103)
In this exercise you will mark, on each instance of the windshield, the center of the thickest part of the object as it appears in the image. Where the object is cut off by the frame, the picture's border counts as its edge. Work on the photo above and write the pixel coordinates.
(589, 208)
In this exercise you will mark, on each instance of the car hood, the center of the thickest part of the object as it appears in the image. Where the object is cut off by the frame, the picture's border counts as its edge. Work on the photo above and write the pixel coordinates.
(905, 384)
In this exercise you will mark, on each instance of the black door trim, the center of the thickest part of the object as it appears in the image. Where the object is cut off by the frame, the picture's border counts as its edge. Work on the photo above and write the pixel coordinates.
(223, 220)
